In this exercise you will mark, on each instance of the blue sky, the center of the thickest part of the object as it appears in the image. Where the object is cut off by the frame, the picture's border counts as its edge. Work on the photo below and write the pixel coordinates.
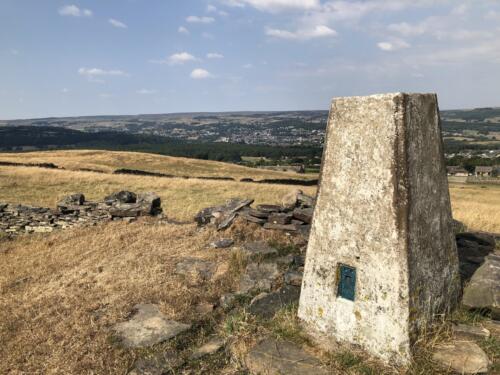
(90, 57)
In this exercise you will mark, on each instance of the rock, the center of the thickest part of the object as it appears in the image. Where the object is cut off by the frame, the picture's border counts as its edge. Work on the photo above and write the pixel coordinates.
(493, 326)
(148, 326)
(224, 214)
(276, 357)
(280, 218)
(287, 228)
(158, 364)
(306, 200)
(464, 357)
(483, 239)
(472, 249)
(72, 200)
(226, 220)
(125, 210)
(268, 208)
(291, 200)
(122, 197)
(150, 203)
(212, 346)
(196, 271)
(259, 277)
(468, 332)
(293, 278)
(265, 305)
(304, 214)
(257, 213)
(483, 290)
(299, 260)
(252, 219)
(258, 248)
(223, 243)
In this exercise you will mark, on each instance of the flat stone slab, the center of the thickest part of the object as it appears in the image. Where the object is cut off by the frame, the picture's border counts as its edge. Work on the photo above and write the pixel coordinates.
(212, 346)
(223, 243)
(265, 305)
(293, 278)
(483, 290)
(464, 357)
(273, 357)
(468, 332)
(259, 276)
(159, 364)
(148, 326)
(258, 248)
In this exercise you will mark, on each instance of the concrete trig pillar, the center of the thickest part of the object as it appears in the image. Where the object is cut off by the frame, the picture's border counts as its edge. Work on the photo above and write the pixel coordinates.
(381, 261)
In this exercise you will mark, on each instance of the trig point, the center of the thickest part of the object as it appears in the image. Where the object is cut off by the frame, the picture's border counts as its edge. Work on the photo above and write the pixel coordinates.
(381, 261)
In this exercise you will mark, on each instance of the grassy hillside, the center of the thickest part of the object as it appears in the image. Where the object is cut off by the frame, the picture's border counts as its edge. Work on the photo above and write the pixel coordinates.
(181, 198)
(61, 292)
(477, 206)
(108, 161)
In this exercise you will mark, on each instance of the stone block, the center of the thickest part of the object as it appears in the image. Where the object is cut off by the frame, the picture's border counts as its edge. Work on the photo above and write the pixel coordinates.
(381, 260)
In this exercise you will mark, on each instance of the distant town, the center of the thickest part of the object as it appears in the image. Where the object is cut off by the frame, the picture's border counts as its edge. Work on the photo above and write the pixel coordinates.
(291, 139)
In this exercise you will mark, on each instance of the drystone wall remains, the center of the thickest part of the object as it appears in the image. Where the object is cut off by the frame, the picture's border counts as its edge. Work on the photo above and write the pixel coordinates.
(75, 210)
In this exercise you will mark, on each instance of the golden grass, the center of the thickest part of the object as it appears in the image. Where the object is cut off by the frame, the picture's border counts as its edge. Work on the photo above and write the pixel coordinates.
(475, 205)
(108, 161)
(181, 198)
(478, 207)
(60, 293)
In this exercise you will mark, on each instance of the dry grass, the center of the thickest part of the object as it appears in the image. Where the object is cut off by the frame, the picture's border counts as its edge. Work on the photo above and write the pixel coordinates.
(477, 206)
(181, 198)
(59, 293)
(108, 161)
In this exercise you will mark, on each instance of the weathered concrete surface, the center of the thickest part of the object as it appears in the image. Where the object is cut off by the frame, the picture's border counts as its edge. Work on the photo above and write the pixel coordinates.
(383, 207)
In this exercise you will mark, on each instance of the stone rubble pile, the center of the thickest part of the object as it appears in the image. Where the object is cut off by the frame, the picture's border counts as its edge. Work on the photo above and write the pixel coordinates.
(74, 210)
(294, 214)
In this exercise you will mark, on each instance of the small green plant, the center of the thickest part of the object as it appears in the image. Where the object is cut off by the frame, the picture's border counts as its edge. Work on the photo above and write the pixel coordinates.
(347, 359)
(465, 316)
(285, 325)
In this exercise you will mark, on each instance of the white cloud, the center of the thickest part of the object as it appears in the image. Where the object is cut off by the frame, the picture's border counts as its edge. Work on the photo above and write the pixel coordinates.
(146, 92)
(117, 23)
(200, 19)
(214, 55)
(74, 11)
(319, 31)
(276, 5)
(105, 95)
(393, 45)
(248, 66)
(180, 58)
(211, 8)
(183, 30)
(95, 74)
(176, 59)
(64, 90)
(200, 74)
